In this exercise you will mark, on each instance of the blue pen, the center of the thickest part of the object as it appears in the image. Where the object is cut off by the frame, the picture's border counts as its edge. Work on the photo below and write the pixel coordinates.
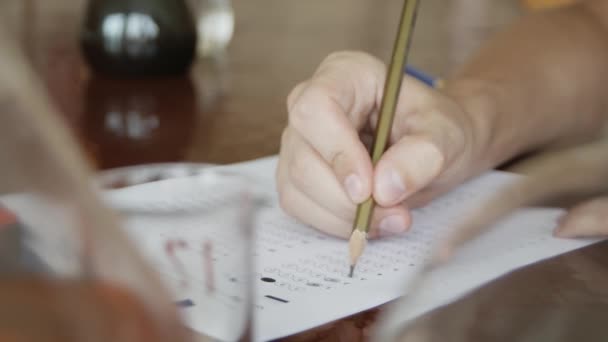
(423, 77)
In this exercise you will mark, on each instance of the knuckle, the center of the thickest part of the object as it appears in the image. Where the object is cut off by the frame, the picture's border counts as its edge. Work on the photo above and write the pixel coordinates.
(298, 114)
(369, 67)
(327, 89)
(300, 170)
(434, 148)
(294, 94)
(354, 56)
(315, 102)
(457, 138)
(285, 137)
(338, 56)
(286, 147)
(337, 158)
(279, 173)
(371, 63)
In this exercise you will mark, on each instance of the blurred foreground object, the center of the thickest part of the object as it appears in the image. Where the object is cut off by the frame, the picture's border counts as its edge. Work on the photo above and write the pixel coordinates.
(32, 311)
(139, 37)
(566, 177)
(96, 286)
(545, 4)
(572, 177)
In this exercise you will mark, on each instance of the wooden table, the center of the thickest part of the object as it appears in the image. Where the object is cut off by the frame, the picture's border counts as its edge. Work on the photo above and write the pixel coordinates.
(233, 109)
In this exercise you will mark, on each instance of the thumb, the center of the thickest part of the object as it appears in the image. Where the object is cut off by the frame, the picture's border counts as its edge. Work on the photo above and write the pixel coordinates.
(406, 167)
(430, 132)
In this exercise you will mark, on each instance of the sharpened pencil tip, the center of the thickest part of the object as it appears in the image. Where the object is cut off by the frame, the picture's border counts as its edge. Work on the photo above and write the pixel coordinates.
(352, 270)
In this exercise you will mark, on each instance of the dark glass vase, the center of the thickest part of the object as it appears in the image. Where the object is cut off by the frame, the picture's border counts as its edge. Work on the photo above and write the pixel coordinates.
(138, 37)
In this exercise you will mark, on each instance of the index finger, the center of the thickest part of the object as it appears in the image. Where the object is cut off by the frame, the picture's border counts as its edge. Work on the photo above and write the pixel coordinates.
(329, 110)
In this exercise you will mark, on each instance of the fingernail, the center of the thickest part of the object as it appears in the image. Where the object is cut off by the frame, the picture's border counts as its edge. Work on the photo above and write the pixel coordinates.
(354, 187)
(390, 186)
(392, 225)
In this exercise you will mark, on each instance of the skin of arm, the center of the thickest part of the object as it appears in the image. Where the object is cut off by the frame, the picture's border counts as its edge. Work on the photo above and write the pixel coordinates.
(539, 83)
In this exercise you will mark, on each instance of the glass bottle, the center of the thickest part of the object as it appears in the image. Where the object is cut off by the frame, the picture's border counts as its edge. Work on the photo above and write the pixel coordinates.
(138, 37)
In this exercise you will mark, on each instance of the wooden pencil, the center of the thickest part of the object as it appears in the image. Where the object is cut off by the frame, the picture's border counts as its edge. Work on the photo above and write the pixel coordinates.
(392, 87)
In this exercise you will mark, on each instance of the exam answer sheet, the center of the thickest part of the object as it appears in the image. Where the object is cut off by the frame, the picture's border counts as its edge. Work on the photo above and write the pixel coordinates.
(301, 277)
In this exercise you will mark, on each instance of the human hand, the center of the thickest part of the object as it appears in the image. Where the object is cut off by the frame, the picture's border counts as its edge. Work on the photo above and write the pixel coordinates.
(324, 165)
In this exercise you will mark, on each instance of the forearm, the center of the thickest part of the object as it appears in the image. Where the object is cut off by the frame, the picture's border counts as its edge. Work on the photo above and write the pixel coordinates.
(540, 82)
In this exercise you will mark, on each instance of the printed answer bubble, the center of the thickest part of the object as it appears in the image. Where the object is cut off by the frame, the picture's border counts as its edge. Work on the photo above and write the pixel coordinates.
(184, 303)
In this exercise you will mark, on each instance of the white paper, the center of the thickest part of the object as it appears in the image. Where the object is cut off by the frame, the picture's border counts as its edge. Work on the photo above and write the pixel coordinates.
(310, 268)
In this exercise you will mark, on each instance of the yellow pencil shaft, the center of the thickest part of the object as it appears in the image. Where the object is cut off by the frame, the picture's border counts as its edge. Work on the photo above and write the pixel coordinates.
(389, 101)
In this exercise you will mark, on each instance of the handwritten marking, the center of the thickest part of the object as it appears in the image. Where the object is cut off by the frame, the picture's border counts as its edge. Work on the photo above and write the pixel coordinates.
(277, 299)
(170, 247)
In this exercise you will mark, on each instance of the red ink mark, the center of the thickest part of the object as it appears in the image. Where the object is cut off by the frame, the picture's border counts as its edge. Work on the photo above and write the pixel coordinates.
(170, 249)
(6, 217)
(208, 265)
